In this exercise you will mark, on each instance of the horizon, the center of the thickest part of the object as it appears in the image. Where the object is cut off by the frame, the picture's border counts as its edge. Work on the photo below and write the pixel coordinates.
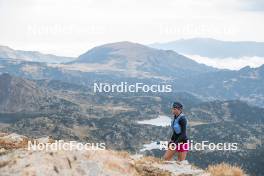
(219, 63)
(148, 45)
(93, 23)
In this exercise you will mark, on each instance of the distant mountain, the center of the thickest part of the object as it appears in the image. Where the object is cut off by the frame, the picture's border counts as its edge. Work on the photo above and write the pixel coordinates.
(123, 60)
(6, 52)
(245, 84)
(21, 95)
(70, 73)
(212, 48)
(131, 62)
(230, 111)
(133, 59)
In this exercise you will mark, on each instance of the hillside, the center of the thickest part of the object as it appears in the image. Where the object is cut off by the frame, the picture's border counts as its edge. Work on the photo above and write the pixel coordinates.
(35, 56)
(245, 84)
(133, 59)
(22, 95)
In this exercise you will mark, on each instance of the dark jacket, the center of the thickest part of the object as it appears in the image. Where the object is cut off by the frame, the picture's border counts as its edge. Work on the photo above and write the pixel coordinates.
(179, 135)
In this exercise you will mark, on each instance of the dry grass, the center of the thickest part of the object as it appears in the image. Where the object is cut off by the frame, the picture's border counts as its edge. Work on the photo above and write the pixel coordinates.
(10, 145)
(149, 160)
(123, 154)
(224, 169)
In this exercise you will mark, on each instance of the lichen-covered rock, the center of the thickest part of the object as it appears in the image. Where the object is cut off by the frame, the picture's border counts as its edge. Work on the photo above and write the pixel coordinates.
(21, 161)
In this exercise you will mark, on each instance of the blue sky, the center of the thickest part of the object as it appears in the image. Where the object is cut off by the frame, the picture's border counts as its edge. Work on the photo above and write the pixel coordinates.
(71, 27)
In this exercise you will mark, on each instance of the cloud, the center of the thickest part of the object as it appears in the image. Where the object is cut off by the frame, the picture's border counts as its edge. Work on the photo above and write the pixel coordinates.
(70, 26)
(229, 63)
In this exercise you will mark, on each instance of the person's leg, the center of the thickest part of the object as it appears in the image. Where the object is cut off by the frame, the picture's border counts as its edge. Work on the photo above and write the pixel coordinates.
(182, 156)
(169, 154)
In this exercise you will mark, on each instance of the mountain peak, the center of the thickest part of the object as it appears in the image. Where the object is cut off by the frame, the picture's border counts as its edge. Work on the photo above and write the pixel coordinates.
(139, 60)
(123, 51)
(120, 48)
(125, 45)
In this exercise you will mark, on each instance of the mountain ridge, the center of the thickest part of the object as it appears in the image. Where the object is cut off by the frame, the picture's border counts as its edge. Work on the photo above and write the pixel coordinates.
(7, 52)
(213, 48)
(137, 58)
(22, 95)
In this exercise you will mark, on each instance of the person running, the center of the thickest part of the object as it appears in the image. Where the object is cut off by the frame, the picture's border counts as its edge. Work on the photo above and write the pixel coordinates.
(179, 140)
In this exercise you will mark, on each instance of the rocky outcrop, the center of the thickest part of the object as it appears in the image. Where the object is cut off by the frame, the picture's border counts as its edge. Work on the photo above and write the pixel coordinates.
(17, 159)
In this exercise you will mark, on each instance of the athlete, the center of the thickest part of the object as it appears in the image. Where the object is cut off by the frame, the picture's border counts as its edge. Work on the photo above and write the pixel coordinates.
(179, 140)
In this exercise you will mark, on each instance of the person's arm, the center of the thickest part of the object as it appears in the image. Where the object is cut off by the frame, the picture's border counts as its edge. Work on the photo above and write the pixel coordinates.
(173, 136)
(183, 124)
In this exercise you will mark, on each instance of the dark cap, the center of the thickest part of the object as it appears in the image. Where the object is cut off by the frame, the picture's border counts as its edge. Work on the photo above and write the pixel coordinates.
(177, 105)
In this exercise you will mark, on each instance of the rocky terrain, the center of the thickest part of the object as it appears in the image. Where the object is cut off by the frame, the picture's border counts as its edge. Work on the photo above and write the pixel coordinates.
(16, 159)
